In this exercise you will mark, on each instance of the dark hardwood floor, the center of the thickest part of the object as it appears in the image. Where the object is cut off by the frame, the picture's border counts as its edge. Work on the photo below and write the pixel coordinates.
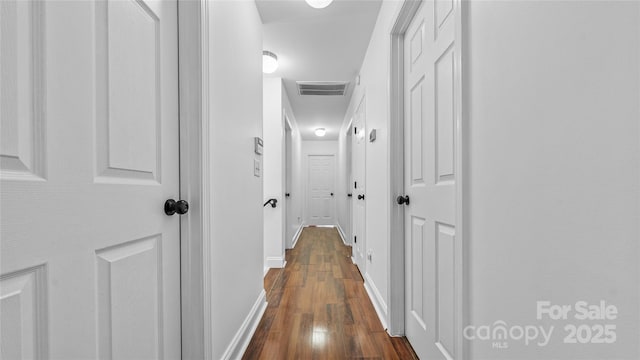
(318, 308)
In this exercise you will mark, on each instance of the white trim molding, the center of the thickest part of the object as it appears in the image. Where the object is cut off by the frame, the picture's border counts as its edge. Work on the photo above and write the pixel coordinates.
(243, 336)
(296, 237)
(195, 176)
(275, 262)
(376, 299)
(342, 235)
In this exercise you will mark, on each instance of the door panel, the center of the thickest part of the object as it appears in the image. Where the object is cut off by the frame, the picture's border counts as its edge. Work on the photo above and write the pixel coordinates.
(128, 118)
(359, 185)
(90, 263)
(321, 187)
(22, 151)
(429, 139)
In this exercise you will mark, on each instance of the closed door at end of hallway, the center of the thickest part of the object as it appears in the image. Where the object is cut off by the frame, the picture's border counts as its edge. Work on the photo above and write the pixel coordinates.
(321, 182)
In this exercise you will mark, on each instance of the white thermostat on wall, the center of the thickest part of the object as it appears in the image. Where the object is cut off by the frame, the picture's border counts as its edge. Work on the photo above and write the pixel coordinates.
(258, 145)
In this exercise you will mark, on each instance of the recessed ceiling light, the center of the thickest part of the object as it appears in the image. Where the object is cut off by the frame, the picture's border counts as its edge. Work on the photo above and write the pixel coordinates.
(320, 132)
(319, 4)
(269, 62)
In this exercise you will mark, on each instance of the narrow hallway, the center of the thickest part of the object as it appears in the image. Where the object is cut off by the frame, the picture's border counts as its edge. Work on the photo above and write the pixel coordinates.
(318, 307)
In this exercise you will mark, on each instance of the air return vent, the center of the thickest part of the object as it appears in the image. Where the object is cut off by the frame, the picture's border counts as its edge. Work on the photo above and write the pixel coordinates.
(325, 88)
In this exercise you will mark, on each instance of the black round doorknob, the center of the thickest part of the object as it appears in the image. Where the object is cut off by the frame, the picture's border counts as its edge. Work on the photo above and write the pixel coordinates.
(361, 197)
(171, 207)
(402, 200)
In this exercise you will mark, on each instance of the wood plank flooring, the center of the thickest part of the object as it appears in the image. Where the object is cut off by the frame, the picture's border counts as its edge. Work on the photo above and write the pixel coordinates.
(318, 308)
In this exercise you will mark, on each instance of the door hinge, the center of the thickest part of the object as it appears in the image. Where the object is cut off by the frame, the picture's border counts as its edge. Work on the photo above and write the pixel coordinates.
(355, 130)
(355, 239)
(355, 184)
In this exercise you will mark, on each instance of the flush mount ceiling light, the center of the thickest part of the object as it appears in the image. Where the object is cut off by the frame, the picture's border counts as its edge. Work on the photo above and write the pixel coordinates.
(320, 132)
(319, 4)
(269, 62)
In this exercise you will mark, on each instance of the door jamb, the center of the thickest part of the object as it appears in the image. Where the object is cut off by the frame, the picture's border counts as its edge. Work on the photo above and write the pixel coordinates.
(195, 178)
(396, 135)
(396, 168)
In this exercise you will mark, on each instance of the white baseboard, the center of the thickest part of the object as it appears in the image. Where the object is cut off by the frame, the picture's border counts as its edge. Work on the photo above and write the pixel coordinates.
(297, 236)
(241, 340)
(342, 235)
(275, 262)
(377, 300)
(266, 270)
(353, 260)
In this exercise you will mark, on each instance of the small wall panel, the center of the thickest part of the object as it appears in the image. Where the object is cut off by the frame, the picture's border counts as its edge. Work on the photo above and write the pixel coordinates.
(22, 142)
(416, 242)
(445, 147)
(23, 310)
(129, 293)
(417, 39)
(446, 300)
(326, 208)
(443, 8)
(415, 123)
(128, 94)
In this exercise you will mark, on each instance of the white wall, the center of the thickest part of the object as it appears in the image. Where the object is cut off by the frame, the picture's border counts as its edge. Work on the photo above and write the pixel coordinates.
(315, 147)
(374, 77)
(552, 119)
(273, 172)
(552, 109)
(236, 197)
(277, 110)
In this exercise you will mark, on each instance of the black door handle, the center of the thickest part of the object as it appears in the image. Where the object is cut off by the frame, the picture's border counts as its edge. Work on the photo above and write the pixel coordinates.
(349, 195)
(272, 202)
(171, 207)
(361, 197)
(403, 200)
(287, 194)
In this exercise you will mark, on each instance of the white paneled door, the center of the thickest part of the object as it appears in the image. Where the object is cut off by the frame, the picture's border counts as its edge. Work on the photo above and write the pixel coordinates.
(359, 197)
(90, 263)
(429, 138)
(321, 188)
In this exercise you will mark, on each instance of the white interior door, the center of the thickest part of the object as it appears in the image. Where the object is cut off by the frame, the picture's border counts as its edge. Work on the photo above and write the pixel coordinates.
(358, 165)
(90, 264)
(349, 178)
(321, 189)
(290, 224)
(430, 228)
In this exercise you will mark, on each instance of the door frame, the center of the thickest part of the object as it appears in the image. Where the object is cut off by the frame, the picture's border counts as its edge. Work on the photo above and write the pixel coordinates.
(361, 100)
(397, 274)
(348, 188)
(196, 177)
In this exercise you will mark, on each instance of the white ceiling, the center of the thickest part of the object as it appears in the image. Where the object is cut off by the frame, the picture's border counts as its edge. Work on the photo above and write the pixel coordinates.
(318, 45)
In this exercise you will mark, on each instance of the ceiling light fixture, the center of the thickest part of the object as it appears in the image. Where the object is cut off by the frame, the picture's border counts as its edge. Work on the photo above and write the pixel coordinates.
(318, 4)
(269, 62)
(320, 132)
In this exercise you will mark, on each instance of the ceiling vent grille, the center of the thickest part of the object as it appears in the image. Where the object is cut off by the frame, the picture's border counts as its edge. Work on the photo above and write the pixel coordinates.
(323, 88)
